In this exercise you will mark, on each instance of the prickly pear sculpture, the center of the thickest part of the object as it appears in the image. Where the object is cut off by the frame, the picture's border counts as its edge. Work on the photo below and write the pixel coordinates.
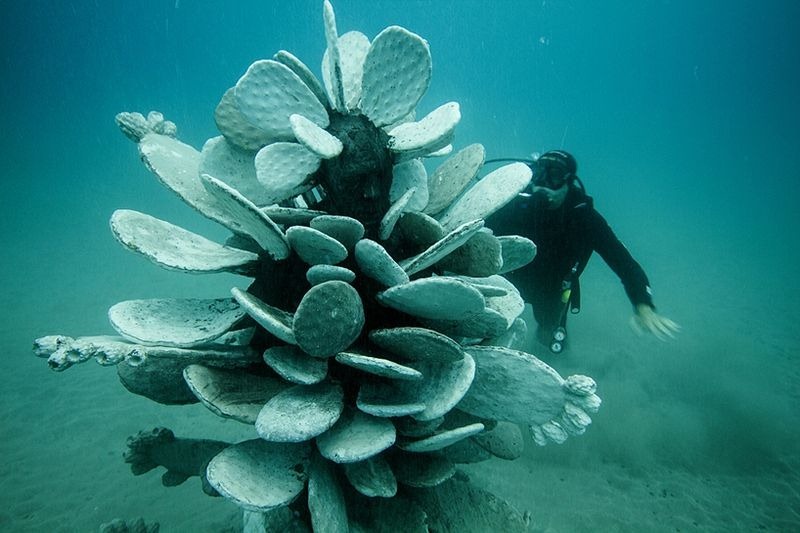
(374, 348)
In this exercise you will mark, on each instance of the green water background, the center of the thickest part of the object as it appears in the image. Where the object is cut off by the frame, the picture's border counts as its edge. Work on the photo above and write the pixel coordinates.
(683, 117)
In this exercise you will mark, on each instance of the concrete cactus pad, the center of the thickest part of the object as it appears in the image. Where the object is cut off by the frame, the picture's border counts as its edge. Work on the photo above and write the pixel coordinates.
(409, 427)
(290, 215)
(232, 393)
(352, 47)
(156, 372)
(441, 152)
(548, 432)
(321, 273)
(174, 322)
(386, 400)
(513, 386)
(331, 57)
(372, 477)
(501, 296)
(397, 72)
(480, 256)
(346, 230)
(243, 217)
(452, 176)
(491, 193)
(457, 505)
(406, 176)
(269, 93)
(485, 324)
(133, 125)
(315, 139)
(274, 320)
(438, 297)
(466, 451)
(177, 167)
(259, 475)
(442, 387)
(442, 248)
(160, 380)
(292, 364)
(356, 436)
(238, 337)
(410, 117)
(232, 165)
(300, 413)
(283, 169)
(157, 124)
(510, 305)
(487, 289)
(394, 213)
(456, 418)
(315, 247)
(237, 129)
(376, 263)
(433, 132)
(388, 515)
(589, 402)
(242, 242)
(442, 439)
(63, 352)
(278, 519)
(377, 366)
(574, 419)
(417, 344)
(175, 248)
(326, 503)
(428, 152)
(303, 72)
(175, 164)
(517, 252)
(421, 470)
(580, 385)
(329, 319)
(504, 441)
(514, 337)
(419, 229)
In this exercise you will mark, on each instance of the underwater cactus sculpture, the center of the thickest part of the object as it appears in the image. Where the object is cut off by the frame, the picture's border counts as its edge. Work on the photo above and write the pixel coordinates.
(375, 347)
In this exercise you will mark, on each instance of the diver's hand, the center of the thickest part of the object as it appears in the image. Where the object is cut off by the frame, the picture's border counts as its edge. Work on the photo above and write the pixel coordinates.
(646, 320)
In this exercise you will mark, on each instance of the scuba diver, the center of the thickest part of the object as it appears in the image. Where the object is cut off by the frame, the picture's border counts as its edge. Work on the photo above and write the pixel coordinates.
(559, 217)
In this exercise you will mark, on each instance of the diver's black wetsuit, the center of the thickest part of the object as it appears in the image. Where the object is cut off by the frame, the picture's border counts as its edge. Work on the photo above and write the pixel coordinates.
(564, 237)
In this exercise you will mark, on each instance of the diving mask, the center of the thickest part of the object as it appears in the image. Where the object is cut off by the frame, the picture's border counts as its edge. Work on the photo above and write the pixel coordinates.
(549, 176)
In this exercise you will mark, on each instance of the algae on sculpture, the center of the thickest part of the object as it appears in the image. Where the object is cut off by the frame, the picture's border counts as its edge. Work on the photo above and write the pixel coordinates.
(374, 348)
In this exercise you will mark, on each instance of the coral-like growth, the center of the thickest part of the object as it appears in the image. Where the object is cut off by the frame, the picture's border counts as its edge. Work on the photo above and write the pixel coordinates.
(374, 348)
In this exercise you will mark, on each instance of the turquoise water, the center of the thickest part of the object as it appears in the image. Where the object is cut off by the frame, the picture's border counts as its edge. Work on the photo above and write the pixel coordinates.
(683, 117)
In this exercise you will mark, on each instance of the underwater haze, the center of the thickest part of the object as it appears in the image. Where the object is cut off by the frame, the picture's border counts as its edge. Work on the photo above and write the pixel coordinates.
(683, 116)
